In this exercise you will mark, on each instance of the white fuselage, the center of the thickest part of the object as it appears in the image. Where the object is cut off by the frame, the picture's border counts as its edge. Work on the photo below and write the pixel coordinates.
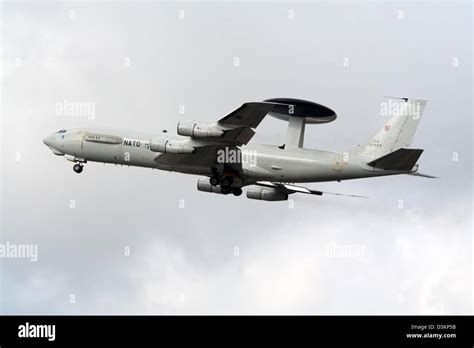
(258, 161)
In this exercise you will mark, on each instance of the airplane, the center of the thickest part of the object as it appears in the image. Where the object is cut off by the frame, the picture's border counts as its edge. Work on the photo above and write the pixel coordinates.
(221, 150)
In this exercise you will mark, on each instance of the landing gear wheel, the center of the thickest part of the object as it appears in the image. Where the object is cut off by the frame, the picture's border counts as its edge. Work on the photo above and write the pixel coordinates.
(226, 190)
(237, 191)
(214, 180)
(227, 181)
(77, 168)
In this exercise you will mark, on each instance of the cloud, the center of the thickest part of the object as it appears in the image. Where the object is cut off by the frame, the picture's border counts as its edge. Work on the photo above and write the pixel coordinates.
(308, 267)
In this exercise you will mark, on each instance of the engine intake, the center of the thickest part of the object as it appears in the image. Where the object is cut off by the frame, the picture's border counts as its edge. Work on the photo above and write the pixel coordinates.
(200, 130)
(266, 194)
(165, 145)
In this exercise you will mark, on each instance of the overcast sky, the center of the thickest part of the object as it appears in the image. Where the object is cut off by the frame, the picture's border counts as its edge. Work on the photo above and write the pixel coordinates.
(133, 240)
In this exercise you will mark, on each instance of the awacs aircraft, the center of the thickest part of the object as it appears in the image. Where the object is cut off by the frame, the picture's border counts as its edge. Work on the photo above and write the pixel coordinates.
(221, 150)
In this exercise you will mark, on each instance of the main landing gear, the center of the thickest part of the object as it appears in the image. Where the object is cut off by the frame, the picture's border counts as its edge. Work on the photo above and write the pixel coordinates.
(225, 185)
(236, 191)
(226, 181)
(78, 168)
(214, 180)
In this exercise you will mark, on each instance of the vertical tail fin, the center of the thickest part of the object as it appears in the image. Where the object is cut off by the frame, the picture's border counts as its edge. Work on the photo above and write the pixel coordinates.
(399, 130)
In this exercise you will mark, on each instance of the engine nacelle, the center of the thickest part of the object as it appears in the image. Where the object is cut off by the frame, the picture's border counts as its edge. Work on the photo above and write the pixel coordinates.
(205, 186)
(200, 130)
(165, 145)
(266, 194)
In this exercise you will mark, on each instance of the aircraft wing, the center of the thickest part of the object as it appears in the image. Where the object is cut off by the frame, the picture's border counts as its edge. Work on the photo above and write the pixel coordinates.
(238, 130)
(248, 115)
(289, 189)
(239, 123)
(204, 156)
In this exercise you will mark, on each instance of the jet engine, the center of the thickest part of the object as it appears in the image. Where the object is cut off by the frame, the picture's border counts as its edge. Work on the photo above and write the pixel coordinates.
(266, 194)
(165, 145)
(200, 130)
(204, 185)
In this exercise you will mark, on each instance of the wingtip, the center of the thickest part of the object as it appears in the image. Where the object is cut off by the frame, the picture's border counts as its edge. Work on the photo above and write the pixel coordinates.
(423, 175)
(345, 195)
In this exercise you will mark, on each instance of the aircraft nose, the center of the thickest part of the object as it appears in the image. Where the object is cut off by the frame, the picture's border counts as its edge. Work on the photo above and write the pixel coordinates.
(48, 141)
(52, 143)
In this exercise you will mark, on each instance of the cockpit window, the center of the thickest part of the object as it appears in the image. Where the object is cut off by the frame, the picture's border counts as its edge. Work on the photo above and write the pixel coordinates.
(61, 131)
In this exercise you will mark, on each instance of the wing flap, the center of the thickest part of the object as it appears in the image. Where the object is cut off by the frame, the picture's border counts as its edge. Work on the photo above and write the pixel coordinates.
(236, 136)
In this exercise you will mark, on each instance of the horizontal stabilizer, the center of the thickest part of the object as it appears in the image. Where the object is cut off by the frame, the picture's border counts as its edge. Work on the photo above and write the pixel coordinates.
(401, 159)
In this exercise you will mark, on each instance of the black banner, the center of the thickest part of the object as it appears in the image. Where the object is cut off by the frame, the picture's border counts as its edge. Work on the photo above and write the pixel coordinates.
(290, 330)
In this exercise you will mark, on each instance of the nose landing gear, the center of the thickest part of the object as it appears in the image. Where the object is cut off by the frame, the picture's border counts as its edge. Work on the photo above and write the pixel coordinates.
(78, 168)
